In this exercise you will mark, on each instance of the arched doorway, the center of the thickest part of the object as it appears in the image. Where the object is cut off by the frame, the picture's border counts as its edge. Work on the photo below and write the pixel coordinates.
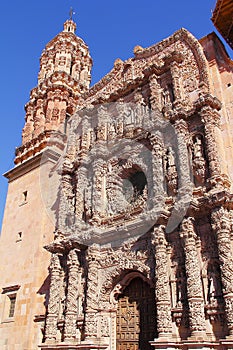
(136, 317)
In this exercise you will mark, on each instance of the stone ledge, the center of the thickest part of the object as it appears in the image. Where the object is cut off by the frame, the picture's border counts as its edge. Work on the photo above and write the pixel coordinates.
(65, 346)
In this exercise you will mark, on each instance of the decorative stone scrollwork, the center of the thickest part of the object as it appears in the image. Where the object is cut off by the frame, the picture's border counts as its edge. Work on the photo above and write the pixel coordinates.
(104, 326)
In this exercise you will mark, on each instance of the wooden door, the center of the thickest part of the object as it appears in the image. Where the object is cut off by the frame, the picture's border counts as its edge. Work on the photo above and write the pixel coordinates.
(136, 317)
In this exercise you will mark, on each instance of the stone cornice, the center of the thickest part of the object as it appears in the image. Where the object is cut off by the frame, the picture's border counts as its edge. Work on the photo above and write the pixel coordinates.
(37, 144)
(32, 163)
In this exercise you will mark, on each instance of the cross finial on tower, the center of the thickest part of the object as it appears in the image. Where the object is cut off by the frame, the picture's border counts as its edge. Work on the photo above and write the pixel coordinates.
(71, 13)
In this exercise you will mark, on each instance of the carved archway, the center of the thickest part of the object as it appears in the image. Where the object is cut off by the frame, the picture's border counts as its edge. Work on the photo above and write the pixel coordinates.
(136, 316)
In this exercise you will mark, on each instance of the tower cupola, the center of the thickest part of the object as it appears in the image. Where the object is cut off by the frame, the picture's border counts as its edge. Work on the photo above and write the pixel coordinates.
(70, 26)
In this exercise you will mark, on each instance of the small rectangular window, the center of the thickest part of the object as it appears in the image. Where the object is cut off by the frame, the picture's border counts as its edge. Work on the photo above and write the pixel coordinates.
(25, 194)
(9, 295)
(19, 237)
(12, 305)
(24, 198)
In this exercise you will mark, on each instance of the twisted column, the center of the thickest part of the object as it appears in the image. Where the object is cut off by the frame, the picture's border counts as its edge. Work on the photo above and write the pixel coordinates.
(54, 299)
(222, 227)
(162, 291)
(70, 333)
(193, 275)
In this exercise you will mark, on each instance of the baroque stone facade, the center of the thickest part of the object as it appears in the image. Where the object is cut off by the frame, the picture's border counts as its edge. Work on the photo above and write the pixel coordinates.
(142, 251)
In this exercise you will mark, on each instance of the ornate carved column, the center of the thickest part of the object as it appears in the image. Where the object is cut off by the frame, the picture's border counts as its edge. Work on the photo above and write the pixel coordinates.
(99, 192)
(73, 289)
(92, 294)
(81, 193)
(162, 291)
(193, 275)
(214, 147)
(182, 142)
(185, 186)
(222, 226)
(157, 164)
(54, 299)
(210, 120)
(66, 202)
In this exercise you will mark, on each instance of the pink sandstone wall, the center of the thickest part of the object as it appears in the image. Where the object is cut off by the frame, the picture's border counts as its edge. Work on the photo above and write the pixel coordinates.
(30, 268)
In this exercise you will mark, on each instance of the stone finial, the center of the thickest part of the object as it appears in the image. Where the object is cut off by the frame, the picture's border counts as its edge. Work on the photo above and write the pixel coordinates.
(137, 49)
(118, 62)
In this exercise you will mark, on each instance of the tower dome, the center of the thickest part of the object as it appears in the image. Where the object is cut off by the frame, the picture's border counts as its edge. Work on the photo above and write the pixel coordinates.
(67, 53)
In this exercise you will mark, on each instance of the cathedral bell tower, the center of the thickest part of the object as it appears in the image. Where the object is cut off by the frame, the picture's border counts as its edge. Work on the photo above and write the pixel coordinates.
(63, 78)
(64, 75)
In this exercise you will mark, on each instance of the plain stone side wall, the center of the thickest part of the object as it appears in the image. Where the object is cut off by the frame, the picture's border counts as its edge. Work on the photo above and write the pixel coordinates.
(24, 262)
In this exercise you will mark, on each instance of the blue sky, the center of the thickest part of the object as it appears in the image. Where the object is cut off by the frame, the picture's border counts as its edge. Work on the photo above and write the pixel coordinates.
(110, 28)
